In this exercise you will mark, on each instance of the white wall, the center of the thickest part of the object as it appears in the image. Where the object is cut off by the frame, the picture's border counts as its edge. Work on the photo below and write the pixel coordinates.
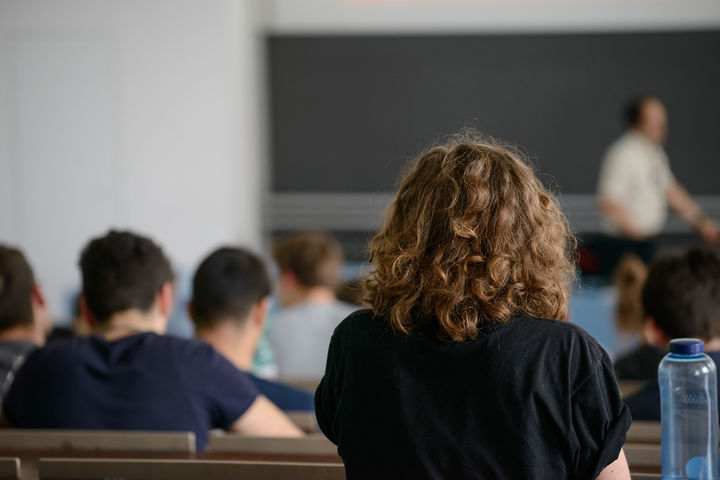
(139, 114)
(488, 16)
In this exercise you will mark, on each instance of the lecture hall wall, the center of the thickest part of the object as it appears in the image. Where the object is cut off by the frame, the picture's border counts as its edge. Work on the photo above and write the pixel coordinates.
(150, 114)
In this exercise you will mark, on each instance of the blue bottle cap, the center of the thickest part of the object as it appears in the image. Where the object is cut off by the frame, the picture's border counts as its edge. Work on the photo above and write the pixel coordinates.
(686, 346)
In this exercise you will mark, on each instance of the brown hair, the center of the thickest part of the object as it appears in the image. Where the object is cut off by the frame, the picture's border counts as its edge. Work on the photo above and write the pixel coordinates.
(16, 288)
(472, 237)
(682, 293)
(315, 258)
(628, 278)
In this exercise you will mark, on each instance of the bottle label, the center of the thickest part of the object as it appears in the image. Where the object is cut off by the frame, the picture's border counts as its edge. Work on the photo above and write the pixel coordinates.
(693, 399)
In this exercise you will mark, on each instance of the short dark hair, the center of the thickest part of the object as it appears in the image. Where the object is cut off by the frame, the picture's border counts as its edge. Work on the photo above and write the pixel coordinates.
(122, 271)
(16, 286)
(682, 293)
(632, 113)
(227, 284)
(315, 258)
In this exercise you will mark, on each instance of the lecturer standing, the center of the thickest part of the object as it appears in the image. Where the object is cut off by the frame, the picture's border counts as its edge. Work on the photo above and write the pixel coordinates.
(636, 185)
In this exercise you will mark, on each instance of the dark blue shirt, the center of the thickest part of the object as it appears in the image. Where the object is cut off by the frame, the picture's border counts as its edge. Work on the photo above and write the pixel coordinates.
(142, 382)
(285, 397)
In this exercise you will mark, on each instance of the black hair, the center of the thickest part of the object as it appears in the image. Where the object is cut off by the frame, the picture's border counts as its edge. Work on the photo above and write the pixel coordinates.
(16, 287)
(122, 271)
(227, 284)
(632, 113)
(682, 293)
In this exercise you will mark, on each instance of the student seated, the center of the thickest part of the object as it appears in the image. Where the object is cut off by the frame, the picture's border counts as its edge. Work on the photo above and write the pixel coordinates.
(24, 318)
(641, 363)
(309, 265)
(128, 375)
(681, 298)
(464, 367)
(229, 305)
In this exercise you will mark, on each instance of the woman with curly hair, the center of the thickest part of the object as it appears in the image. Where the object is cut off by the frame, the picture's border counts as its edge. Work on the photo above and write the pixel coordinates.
(465, 366)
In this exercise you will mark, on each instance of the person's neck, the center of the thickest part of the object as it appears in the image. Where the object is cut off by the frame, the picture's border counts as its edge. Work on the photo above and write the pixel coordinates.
(230, 341)
(23, 333)
(131, 322)
(322, 295)
(643, 136)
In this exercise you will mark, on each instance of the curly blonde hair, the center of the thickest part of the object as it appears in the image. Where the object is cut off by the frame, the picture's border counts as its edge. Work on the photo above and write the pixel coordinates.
(472, 237)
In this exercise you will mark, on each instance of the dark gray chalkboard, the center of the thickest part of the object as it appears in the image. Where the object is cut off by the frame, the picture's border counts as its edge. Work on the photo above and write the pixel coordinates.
(348, 112)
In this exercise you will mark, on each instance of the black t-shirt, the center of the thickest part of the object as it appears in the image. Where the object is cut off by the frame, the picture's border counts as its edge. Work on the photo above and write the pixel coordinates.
(142, 382)
(640, 364)
(530, 399)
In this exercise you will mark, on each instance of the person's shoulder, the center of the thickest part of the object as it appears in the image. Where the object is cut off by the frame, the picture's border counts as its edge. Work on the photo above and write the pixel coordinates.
(627, 145)
(570, 339)
(355, 322)
(56, 355)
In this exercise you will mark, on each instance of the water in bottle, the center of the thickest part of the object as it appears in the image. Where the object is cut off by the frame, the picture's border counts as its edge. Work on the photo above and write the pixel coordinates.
(688, 397)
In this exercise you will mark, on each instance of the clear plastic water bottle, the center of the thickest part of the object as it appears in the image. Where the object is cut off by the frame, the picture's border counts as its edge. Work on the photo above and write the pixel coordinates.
(688, 398)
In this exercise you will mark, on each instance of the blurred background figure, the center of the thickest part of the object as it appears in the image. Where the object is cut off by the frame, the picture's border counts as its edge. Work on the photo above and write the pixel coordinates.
(309, 265)
(681, 299)
(628, 280)
(129, 375)
(351, 292)
(636, 186)
(229, 306)
(24, 318)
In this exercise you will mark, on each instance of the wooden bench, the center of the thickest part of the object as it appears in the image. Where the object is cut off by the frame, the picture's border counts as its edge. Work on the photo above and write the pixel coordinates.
(310, 445)
(305, 421)
(644, 432)
(643, 455)
(9, 468)
(97, 440)
(162, 469)
(31, 444)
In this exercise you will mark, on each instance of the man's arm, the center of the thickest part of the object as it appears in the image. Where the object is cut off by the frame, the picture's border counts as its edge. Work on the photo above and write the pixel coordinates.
(620, 216)
(264, 419)
(618, 470)
(682, 203)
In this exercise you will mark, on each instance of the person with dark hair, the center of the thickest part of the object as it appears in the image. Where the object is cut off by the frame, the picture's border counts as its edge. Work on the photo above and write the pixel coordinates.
(636, 185)
(465, 366)
(128, 375)
(681, 299)
(24, 317)
(229, 306)
(309, 264)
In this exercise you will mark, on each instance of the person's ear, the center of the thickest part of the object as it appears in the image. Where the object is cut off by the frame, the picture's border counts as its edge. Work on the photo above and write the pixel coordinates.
(41, 314)
(191, 309)
(261, 312)
(165, 299)
(87, 314)
(654, 334)
(287, 279)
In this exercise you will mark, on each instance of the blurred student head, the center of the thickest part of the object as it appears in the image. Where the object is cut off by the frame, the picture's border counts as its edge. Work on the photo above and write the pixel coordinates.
(628, 278)
(647, 115)
(230, 301)
(681, 296)
(125, 273)
(23, 312)
(309, 264)
(472, 237)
